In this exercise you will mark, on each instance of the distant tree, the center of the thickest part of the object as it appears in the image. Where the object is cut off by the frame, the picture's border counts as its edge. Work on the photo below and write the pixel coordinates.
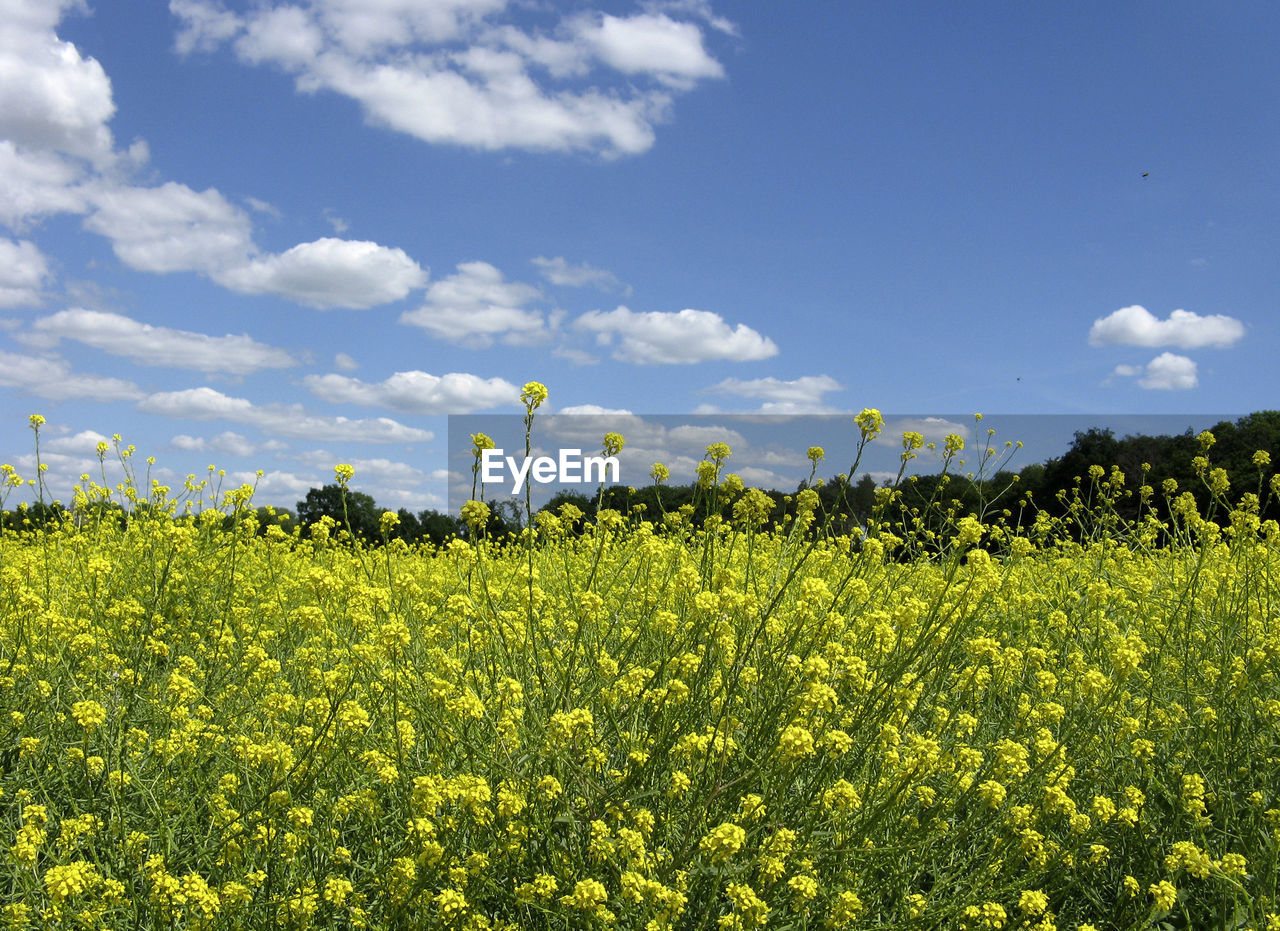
(438, 528)
(506, 518)
(41, 514)
(361, 511)
(101, 513)
(407, 527)
(576, 499)
(279, 517)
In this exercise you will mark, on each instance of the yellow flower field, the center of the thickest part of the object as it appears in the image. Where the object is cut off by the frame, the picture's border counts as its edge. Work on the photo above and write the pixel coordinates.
(646, 725)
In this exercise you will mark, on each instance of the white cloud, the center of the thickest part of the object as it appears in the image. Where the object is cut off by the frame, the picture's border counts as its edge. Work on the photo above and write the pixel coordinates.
(55, 103)
(154, 345)
(205, 25)
(63, 471)
(367, 470)
(172, 228)
(36, 184)
(593, 410)
(576, 356)
(696, 439)
(756, 477)
(1170, 372)
(338, 223)
(286, 36)
(446, 71)
(699, 9)
(488, 102)
(52, 378)
(290, 420)
(1137, 326)
(477, 305)
(261, 206)
(649, 44)
(84, 443)
(275, 485)
(1127, 371)
(345, 363)
(417, 392)
(51, 97)
(559, 271)
(330, 273)
(229, 442)
(933, 429)
(23, 270)
(686, 336)
(798, 396)
(188, 443)
(364, 27)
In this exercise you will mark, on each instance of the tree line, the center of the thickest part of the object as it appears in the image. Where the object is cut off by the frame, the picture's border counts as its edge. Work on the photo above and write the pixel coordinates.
(1168, 465)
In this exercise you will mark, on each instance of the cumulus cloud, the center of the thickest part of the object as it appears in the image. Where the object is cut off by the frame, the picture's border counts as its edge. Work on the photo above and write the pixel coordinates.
(451, 72)
(35, 184)
(156, 345)
(1170, 372)
(417, 392)
(649, 43)
(1166, 372)
(51, 97)
(933, 429)
(367, 470)
(23, 270)
(593, 410)
(757, 477)
(276, 485)
(345, 363)
(695, 439)
(1137, 326)
(84, 443)
(57, 156)
(229, 442)
(330, 273)
(204, 25)
(476, 306)
(685, 336)
(173, 228)
(53, 378)
(560, 271)
(798, 396)
(289, 420)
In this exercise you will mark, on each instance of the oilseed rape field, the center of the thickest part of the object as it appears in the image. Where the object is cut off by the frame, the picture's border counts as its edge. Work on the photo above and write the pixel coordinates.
(642, 722)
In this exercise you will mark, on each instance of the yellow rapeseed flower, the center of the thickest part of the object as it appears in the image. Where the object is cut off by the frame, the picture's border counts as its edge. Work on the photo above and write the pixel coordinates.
(88, 714)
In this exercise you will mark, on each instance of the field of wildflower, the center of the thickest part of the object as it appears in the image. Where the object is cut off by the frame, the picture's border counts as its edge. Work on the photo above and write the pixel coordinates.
(643, 723)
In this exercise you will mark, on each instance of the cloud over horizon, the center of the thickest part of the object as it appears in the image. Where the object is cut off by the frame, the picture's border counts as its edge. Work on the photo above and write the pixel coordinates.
(798, 396)
(1137, 326)
(680, 337)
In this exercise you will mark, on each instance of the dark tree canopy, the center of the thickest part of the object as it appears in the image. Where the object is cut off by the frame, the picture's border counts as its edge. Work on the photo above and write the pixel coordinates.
(360, 510)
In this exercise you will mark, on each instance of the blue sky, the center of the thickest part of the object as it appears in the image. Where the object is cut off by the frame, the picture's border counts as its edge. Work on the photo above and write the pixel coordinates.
(282, 235)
